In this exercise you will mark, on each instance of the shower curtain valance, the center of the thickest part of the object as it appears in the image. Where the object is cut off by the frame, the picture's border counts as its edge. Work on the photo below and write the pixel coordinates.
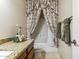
(33, 10)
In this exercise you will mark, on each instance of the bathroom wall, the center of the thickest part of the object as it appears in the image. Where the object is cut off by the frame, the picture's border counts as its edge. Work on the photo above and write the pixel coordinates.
(65, 11)
(75, 28)
(12, 12)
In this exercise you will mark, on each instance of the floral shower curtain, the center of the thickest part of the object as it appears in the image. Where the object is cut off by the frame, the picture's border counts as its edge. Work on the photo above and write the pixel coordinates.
(32, 15)
(49, 8)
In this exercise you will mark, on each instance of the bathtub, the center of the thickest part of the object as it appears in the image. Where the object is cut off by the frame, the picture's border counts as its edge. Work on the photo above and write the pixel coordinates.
(50, 51)
(45, 46)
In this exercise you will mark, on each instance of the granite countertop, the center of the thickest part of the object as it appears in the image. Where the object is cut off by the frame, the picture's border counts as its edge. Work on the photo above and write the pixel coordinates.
(17, 48)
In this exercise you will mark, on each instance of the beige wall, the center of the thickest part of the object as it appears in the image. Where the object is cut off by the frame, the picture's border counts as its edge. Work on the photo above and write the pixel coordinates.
(12, 12)
(65, 10)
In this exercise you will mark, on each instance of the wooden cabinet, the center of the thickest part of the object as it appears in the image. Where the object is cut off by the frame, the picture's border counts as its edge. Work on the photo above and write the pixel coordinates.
(23, 56)
(29, 53)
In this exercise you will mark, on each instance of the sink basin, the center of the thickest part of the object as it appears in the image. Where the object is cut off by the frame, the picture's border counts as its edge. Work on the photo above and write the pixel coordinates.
(5, 53)
(2, 57)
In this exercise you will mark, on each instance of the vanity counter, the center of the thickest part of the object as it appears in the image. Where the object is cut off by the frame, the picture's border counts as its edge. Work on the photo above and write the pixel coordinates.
(17, 48)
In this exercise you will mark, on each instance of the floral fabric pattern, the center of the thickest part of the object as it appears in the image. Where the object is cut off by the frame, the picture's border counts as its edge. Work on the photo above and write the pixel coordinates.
(50, 11)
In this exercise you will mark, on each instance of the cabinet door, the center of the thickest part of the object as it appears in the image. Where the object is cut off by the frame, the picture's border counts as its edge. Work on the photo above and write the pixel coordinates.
(23, 56)
(31, 54)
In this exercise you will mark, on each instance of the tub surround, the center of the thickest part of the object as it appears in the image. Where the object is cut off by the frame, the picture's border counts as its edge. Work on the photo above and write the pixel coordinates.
(42, 54)
(45, 46)
(20, 50)
(49, 55)
(45, 51)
